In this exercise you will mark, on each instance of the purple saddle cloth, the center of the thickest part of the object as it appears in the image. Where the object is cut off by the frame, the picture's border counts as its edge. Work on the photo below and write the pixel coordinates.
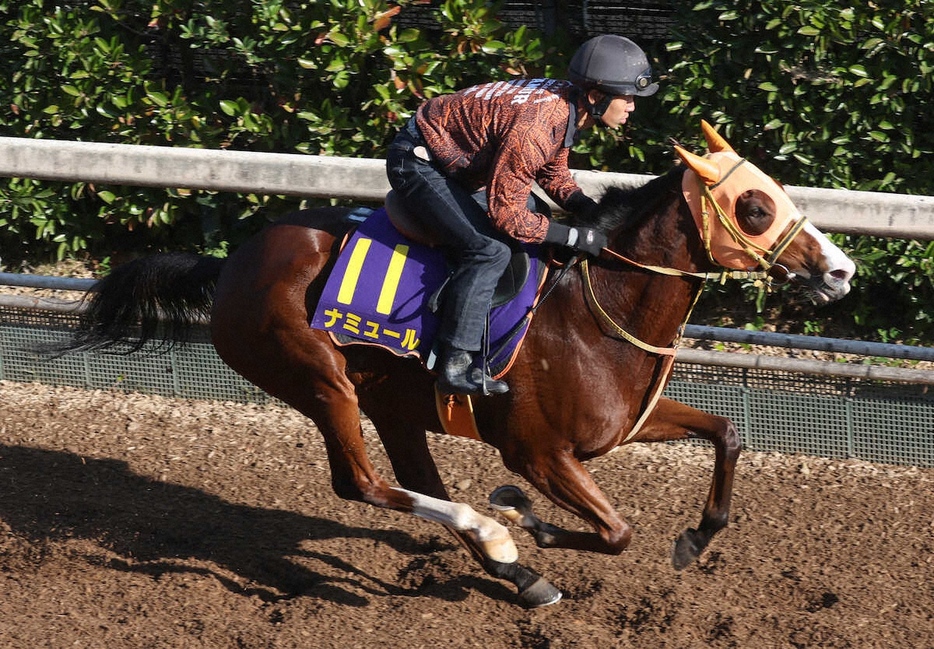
(381, 285)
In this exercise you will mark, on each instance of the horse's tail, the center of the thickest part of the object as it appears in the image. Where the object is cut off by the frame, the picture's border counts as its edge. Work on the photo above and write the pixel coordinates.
(160, 297)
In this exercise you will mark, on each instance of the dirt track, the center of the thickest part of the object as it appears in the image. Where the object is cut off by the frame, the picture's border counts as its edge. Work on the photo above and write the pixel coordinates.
(131, 521)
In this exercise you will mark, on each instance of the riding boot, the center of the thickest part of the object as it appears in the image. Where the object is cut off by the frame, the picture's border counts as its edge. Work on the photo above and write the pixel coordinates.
(459, 375)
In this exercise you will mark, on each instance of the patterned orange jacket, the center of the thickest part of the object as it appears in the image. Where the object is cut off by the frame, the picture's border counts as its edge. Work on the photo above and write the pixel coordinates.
(505, 135)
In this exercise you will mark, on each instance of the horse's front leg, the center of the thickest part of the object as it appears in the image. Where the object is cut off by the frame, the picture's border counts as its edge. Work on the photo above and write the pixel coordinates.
(564, 480)
(672, 421)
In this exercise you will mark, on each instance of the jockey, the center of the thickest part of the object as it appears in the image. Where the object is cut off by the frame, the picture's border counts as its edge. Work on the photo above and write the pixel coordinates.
(505, 136)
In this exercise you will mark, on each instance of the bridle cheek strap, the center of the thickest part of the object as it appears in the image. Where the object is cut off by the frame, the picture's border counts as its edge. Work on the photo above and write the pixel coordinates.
(764, 257)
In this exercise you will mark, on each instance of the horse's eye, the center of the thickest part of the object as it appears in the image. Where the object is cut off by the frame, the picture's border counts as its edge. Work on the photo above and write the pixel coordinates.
(755, 211)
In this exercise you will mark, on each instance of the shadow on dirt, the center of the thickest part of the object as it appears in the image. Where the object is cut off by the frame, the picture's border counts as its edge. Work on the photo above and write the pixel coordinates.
(158, 528)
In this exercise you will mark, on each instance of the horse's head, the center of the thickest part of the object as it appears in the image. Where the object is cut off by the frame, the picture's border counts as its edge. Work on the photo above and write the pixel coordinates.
(747, 221)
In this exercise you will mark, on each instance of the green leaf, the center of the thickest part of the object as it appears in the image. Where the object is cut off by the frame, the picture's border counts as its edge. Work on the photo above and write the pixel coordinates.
(229, 107)
(858, 70)
(338, 39)
(341, 79)
(408, 35)
(158, 98)
(337, 64)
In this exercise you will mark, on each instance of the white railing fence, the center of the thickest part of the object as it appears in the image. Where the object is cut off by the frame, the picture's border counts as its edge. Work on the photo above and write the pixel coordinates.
(851, 212)
(832, 210)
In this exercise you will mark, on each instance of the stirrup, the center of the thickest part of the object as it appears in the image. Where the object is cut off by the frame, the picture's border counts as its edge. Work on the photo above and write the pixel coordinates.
(488, 385)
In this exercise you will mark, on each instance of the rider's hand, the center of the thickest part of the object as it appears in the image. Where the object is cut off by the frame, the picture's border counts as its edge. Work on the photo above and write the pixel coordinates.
(588, 240)
(578, 239)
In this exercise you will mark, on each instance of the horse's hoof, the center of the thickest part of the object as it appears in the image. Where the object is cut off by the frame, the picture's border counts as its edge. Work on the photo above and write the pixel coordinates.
(509, 497)
(686, 549)
(539, 594)
(515, 507)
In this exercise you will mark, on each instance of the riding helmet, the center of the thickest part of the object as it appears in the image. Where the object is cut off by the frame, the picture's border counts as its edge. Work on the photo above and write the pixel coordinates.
(614, 65)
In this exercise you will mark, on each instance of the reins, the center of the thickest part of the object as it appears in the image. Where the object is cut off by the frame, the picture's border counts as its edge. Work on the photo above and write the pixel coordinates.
(721, 276)
(615, 328)
(765, 258)
(608, 319)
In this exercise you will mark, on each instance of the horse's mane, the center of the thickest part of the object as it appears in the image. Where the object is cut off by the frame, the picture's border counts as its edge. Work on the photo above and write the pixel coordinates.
(624, 208)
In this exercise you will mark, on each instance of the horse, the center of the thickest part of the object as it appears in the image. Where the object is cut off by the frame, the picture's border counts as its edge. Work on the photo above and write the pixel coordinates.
(588, 377)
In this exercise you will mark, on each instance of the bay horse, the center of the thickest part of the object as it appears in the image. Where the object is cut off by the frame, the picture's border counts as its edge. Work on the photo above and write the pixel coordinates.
(588, 377)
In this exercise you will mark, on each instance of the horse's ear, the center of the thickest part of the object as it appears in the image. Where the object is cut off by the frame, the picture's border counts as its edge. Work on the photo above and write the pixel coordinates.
(715, 141)
(707, 170)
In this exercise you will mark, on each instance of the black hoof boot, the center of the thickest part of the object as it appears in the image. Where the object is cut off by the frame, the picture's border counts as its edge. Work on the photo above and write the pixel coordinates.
(460, 376)
(534, 591)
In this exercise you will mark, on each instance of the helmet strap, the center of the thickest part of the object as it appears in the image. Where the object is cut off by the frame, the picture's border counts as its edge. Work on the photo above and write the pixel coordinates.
(596, 109)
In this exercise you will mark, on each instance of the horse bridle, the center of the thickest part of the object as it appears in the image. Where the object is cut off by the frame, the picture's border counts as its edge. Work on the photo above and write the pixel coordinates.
(763, 278)
(768, 263)
(766, 258)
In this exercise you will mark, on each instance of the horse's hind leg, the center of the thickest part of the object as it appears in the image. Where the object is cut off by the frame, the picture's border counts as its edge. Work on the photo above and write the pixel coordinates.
(487, 541)
(672, 421)
(310, 378)
(310, 375)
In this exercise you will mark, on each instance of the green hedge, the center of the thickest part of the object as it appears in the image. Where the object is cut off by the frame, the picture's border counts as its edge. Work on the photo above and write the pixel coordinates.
(332, 78)
(821, 94)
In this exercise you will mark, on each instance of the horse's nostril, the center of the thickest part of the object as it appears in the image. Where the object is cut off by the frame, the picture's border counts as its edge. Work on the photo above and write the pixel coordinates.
(840, 275)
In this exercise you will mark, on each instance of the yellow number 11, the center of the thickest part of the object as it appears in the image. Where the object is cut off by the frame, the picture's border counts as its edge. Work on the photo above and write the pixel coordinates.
(390, 280)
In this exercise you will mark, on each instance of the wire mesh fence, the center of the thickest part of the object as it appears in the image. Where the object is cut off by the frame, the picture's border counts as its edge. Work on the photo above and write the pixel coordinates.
(774, 411)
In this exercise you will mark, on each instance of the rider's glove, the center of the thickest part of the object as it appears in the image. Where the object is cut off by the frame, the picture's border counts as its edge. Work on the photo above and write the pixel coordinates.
(578, 239)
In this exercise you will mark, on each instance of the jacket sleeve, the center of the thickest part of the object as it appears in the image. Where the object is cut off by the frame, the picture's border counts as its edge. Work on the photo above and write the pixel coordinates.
(514, 170)
(556, 180)
(532, 151)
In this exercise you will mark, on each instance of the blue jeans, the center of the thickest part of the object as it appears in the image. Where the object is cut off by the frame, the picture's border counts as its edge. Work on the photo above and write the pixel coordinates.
(461, 226)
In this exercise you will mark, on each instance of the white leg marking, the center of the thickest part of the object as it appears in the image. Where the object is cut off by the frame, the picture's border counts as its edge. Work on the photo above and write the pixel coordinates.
(493, 538)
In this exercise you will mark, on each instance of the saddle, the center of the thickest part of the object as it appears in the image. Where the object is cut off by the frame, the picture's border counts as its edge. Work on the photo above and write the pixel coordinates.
(388, 281)
(510, 283)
